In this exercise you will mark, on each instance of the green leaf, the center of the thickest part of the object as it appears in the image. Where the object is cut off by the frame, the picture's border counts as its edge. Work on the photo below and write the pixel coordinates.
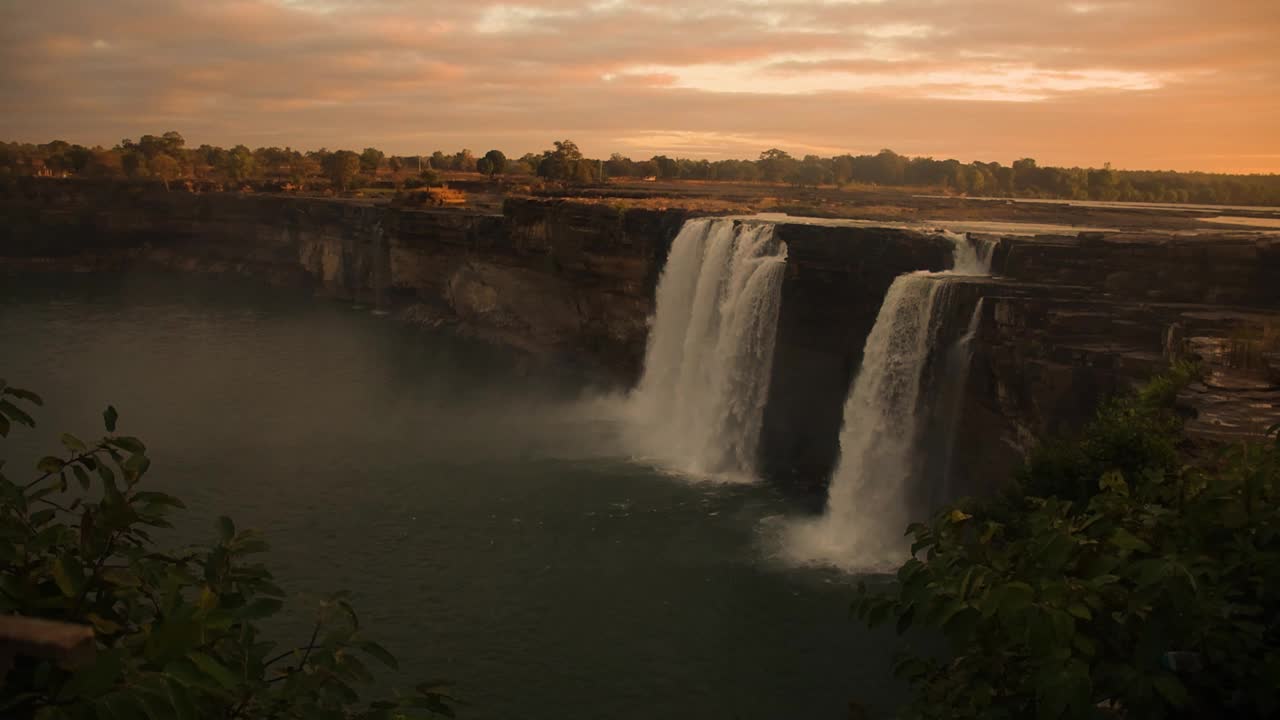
(350, 613)
(189, 674)
(4, 425)
(380, 653)
(108, 477)
(21, 394)
(41, 517)
(137, 463)
(1079, 610)
(183, 707)
(81, 476)
(214, 669)
(128, 443)
(1125, 540)
(72, 443)
(1114, 482)
(1171, 689)
(1015, 596)
(50, 464)
(16, 413)
(109, 418)
(158, 498)
(226, 528)
(121, 577)
(69, 576)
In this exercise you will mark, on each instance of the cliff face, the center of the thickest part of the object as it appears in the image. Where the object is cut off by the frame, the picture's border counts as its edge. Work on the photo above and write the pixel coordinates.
(1066, 322)
(546, 276)
(836, 279)
(1071, 321)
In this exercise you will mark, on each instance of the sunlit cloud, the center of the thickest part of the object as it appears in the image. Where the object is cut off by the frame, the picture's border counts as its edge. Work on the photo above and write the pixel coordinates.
(1173, 85)
(996, 82)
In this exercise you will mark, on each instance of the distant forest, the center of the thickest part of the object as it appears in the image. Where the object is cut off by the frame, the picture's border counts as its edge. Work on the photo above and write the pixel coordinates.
(166, 158)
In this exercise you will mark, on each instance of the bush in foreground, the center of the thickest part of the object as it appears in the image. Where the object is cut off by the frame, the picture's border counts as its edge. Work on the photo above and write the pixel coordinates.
(178, 634)
(1145, 586)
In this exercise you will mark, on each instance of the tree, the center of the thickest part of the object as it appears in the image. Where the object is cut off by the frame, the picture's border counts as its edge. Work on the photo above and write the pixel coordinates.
(165, 168)
(619, 166)
(776, 164)
(464, 161)
(342, 167)
(370, 161)
(1103, 184)
(494, 163)
(240, 165)
(105, 164)
(668, 169)
(561, 163)
(175, 633)
(133, 162)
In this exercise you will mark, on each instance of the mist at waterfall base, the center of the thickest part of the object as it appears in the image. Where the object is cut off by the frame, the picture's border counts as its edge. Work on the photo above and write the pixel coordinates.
(875, 491)
(487, 514)
(699, 406)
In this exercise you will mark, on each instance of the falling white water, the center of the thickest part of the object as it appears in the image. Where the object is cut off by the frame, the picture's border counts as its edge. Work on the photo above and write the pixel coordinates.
(699, 406)
(868, 502)
(958, 361)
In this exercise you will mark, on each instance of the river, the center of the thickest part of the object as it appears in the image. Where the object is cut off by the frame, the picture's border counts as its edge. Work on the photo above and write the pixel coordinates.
(480, 507)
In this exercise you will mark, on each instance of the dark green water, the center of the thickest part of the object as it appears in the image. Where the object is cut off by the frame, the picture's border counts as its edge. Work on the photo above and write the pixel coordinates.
(492, 532)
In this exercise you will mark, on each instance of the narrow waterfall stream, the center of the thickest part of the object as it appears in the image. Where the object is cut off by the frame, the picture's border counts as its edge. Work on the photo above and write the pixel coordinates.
(870, 496)
(699, 406)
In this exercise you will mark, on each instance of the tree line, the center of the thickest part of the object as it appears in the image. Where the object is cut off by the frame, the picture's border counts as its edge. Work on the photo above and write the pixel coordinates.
(167, 158)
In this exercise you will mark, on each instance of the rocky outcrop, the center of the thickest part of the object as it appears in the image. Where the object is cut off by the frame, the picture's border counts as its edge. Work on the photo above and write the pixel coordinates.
(1214, 267)
(545, 275)
(1072, 321)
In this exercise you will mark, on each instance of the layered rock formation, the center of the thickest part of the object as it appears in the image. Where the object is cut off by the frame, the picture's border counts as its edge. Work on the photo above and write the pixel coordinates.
(1070, 321)
(1066, 322)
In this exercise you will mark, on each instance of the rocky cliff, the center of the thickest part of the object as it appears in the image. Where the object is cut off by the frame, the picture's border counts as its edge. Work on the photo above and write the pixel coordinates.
(1067, 321)
(836, 278)
(547, 276)
(1070, 321)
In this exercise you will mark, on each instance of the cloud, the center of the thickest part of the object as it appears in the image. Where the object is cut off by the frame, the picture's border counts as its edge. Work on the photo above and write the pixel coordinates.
(1140, 83)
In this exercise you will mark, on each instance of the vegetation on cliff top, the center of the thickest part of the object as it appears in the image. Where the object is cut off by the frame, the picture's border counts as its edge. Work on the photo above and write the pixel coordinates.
(183, 633)
(166, 158)
(1117, 576)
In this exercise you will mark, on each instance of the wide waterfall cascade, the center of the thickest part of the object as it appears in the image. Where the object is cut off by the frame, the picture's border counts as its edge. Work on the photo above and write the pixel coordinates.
(699, 406)
(869, 500)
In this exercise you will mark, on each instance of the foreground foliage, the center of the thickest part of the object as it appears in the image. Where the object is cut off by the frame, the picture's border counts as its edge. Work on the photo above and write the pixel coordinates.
(180, 634)
(1155, 593)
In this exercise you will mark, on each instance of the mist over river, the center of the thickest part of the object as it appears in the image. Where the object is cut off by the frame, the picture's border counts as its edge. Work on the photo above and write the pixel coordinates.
(483, 510)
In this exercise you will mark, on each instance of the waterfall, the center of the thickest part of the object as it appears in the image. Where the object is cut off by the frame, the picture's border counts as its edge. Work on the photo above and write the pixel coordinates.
(699, 405)
(951, 395)
(870, 496)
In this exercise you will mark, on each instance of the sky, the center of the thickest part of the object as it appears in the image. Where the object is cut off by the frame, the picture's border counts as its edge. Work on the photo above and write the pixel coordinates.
(1142, 84)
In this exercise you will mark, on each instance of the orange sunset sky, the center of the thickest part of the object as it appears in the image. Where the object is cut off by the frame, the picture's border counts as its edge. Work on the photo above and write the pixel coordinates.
(1151, 84)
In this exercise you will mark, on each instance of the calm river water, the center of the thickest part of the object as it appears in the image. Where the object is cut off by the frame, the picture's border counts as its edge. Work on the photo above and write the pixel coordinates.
(481, 512)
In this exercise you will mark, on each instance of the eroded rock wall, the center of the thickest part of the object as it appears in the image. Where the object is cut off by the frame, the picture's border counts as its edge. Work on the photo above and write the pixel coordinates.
(836, 279)
(1067, 322)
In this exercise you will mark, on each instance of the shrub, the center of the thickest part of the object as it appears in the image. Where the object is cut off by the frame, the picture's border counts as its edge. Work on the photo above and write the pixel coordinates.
(1158, 596)
(179, 634)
